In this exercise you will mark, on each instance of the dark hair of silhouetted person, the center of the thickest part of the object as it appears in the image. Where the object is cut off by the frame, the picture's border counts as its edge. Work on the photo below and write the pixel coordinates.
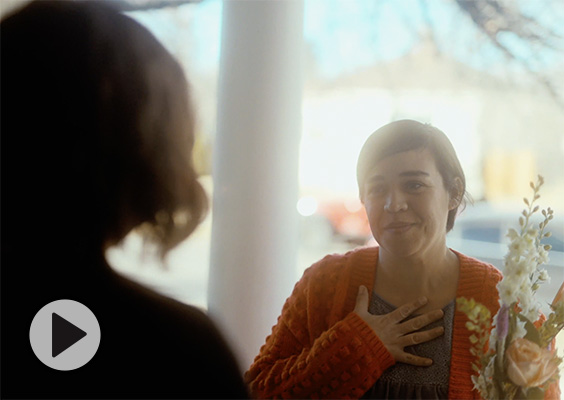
(104, 120)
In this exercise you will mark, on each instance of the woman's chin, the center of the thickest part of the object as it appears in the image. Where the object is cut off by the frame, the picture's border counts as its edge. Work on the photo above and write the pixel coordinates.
(400, 248)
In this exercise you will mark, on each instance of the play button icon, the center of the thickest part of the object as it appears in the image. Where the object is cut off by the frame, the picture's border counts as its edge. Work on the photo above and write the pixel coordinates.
(64, 335)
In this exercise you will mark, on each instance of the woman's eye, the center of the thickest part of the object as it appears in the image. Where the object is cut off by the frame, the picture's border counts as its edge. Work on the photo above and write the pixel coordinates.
(413, 186)
(377, 189)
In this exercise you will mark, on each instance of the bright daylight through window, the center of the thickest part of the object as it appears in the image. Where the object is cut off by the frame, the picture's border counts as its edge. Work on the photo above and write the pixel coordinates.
(495, 88)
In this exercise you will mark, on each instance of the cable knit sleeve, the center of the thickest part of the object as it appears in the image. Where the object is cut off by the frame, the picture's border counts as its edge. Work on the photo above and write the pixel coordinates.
(308, 356)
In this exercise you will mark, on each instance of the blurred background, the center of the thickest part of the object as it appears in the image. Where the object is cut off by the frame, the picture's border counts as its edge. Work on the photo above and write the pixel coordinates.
(490, 74)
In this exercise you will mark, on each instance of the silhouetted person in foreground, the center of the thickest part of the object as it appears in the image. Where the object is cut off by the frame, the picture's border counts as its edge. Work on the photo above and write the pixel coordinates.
(97, 135)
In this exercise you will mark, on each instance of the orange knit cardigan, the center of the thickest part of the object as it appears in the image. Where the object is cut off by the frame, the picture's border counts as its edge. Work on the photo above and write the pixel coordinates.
(320, 348)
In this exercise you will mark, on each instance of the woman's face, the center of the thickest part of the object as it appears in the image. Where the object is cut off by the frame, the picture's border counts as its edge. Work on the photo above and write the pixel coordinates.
(407, 204)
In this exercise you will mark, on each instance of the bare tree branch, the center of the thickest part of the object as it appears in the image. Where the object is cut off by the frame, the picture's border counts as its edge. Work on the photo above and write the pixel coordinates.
(494, 16)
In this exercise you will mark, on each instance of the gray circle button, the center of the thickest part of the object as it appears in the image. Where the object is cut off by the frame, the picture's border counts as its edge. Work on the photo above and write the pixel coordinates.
(64, 335)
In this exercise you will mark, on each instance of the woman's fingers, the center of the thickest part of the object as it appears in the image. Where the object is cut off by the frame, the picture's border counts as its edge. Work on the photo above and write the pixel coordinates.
(421, 337)
(406, 310)
(408, 358)
(417, 338)
(420, 322)
(395, 334)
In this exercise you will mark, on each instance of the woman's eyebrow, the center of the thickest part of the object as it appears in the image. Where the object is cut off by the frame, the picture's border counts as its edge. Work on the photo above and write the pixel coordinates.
(414, 173)
(374, 178)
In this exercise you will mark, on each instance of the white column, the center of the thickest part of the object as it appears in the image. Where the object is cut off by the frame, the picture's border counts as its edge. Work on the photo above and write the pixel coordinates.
(255, 222)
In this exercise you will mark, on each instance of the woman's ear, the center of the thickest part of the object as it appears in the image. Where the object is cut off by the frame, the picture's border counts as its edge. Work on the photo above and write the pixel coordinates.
(456, 193)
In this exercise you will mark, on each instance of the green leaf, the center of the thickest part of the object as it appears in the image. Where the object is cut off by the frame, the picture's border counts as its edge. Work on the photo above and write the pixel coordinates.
(535, 393)
(498, 372)
(532, 333)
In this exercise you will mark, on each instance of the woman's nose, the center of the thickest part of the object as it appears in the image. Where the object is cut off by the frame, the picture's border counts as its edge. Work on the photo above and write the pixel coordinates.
(395, 202)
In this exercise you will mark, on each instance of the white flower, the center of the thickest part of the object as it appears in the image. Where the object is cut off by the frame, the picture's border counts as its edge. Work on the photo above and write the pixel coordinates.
(479, 384)
(542, 257)
(512, 234)
(543, 275)
(521, 269)
(527, 300)
(532, 314)
(508, 288)
(521, 244)
(531, 235)
(515, 288)
(520, 330)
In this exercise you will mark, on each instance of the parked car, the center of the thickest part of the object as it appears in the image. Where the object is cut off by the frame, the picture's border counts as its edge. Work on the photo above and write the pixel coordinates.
(333, 218)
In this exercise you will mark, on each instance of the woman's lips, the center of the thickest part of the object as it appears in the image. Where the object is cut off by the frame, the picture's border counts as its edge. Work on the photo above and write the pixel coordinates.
(398, 227)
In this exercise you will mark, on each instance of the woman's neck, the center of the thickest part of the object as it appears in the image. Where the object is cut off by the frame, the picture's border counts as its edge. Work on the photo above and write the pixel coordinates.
(403, 279)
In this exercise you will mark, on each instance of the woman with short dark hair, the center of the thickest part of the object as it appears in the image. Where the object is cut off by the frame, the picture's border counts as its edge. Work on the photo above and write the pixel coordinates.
(380, 322)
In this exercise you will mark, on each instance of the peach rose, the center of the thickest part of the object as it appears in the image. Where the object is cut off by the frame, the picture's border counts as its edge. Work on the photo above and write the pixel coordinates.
(528, 365)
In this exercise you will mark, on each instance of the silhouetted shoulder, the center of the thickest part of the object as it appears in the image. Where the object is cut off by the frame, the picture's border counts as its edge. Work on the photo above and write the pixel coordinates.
(187, 355)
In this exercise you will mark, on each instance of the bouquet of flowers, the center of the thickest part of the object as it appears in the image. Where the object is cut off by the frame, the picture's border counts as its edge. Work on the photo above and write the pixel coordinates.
(515, 358)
